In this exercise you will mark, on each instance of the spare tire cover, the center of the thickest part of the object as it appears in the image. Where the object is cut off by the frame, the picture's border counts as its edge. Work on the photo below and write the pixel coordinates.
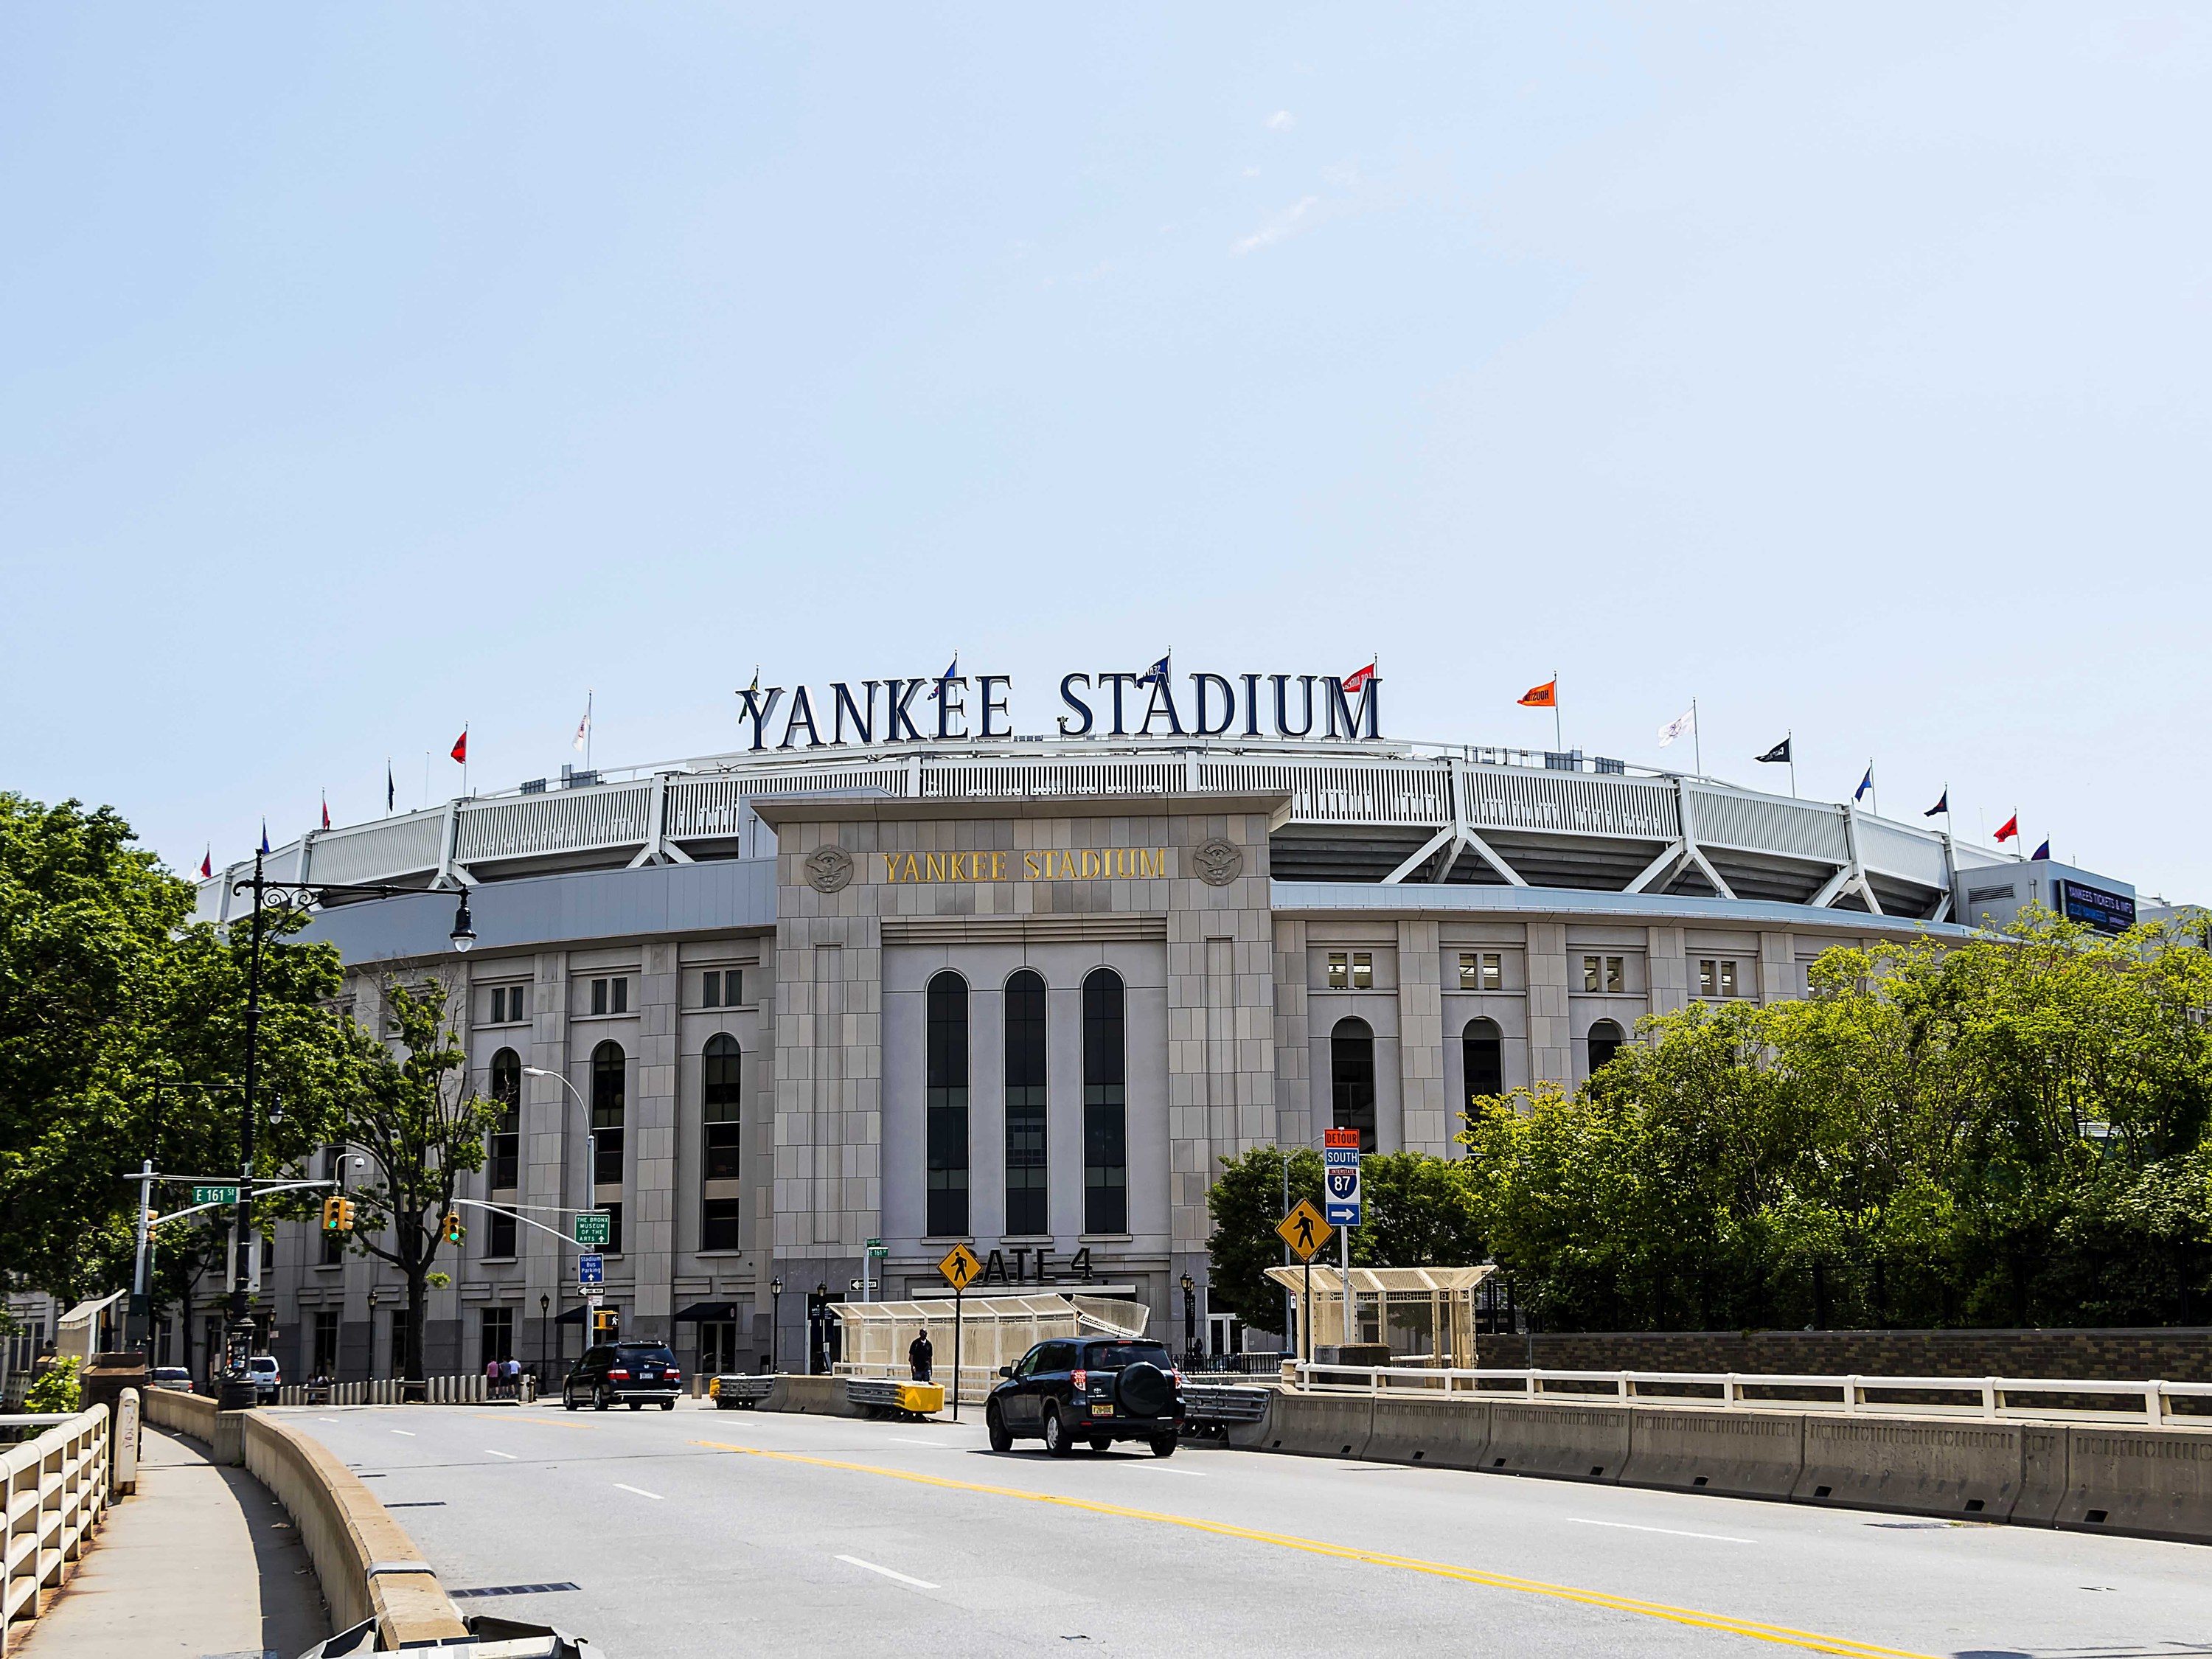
(1145, 1390)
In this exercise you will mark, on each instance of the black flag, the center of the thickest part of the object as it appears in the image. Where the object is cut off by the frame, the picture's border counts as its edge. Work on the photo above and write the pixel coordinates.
(391, 791)
(1779, 754)
(1942, 805)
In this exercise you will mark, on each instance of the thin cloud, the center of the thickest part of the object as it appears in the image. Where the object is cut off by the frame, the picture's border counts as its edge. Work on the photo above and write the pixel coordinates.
(1285, 224)
(1281, 121)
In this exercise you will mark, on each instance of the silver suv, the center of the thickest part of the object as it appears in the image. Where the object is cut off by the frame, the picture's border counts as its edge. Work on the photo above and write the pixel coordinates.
(267, 1376)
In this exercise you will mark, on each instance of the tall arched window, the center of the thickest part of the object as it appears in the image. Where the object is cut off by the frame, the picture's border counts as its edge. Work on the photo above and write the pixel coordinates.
(1105, 1105)
(1026, 1208)
(503, 1145)
(947, 1106)
(1605, 1040)
(1351, 1079)
(1482, 1055)
(609, 1068)
(720, 1065)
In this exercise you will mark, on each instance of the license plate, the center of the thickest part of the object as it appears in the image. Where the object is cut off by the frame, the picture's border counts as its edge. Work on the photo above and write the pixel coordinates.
(1102, 1410)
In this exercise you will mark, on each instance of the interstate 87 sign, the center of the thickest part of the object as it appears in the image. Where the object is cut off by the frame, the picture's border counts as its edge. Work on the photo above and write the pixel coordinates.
(1341, 1196)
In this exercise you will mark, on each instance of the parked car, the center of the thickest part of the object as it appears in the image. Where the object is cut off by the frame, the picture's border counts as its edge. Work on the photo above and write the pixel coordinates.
(170, 1376)
(1093, 1389)
(631, 1372)
(268, 1376)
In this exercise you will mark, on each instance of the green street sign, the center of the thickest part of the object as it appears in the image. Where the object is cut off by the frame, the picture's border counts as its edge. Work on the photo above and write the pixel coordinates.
(876, 1247)
(214, 1194)
(594, 1227)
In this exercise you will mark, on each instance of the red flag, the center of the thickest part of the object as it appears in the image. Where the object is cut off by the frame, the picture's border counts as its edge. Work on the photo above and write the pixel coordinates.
(326, 812)
(207, 862)
(2009, 828)
(1357, 680)
(1545, 695)
(461, 746)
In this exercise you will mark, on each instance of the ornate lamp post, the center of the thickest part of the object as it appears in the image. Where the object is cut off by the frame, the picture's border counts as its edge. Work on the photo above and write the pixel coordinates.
(774, 1319)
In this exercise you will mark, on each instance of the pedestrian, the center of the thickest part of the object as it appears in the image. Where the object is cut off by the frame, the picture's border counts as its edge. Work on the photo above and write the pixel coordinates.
(514, 1369)
(919, 1355)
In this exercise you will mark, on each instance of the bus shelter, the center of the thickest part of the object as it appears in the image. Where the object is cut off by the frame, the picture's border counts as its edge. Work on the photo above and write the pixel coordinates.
(1424, 1315)
(995, 1331)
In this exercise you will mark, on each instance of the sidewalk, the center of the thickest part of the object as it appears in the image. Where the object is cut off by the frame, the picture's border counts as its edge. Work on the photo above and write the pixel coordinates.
(201, 1562)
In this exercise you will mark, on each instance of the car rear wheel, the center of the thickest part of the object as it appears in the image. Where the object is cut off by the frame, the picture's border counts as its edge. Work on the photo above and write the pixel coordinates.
(994, 1424)
(1164, 1445)
(1056, 1443)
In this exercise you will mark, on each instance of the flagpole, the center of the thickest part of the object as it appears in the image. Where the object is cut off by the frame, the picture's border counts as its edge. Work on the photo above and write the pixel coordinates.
(1558, 739)
(1697, 738)
(1790, 738)
(587, 728)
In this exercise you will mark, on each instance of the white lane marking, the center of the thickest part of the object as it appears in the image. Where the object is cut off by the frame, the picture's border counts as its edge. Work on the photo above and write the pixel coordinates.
(1195, 1474)
(1672, 1532)
(642, 1493)
(918, 1583)
(908, 1440)
(509, 1457)
(410, 1433)
(327, 1420)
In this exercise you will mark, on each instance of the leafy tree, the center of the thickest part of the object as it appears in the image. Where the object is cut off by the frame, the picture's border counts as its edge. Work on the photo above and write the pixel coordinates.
(56, 1388)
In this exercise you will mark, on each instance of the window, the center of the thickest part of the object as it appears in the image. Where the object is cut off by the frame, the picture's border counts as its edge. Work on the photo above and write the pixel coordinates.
(1604, 974)
(1715, 977)
(503, 1145)
(1363, 970)
(510, 1004)
(721, 1224)
(1605, 1040)
(610, 996)
(1340, 971)
(607, 1070)
(498, 1333)
(614, 1228)
(1351, 1079)
(325, 1360)
(1026, 1205)
(946, 1096)
(1482, 1054)
(721, 1067)
(1481, 972)
(500, 1232)
(722, 988)
(1105, 1105)
(1350, 970)
(1616, 975)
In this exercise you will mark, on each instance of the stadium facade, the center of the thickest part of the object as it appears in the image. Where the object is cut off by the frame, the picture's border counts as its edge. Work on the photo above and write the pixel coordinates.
(893, 975)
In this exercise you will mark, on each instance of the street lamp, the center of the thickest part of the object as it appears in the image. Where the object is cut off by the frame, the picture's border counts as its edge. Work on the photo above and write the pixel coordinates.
(545, 1333)
(774, 1317)
(372, 1330)
(1190, 1315)
(591, 1135)
(238, 1392)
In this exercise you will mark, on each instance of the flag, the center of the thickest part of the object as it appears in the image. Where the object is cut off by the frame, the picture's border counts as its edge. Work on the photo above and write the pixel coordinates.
(1865, 783)
(264, 835)
(461, 747)
(2009, 828)
(1777, 756)
(391, 789)
(1942, 805)
(2043, 851)
(755, 687)
(1682, 726)
(1158, 673)
(207, 862)
(1545, 695)
(1357, 680)
(951, 672)
(583, 726)
(326, 809)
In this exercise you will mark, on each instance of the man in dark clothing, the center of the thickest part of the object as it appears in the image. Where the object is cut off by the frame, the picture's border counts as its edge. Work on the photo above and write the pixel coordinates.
(918, 1355)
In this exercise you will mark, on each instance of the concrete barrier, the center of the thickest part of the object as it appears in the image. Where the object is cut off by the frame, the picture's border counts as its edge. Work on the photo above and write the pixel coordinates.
(187, 1414)
(823, 1396)
(2044, 1452)
(1567, 1442)
(1451, 1434)
(1251, 1435)
(2154, 1483)
(1918, 1466)
(1738, 1454)
(1321, 1424)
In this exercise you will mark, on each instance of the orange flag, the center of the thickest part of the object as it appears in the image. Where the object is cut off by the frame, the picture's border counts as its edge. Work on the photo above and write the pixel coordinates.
(1545, 695)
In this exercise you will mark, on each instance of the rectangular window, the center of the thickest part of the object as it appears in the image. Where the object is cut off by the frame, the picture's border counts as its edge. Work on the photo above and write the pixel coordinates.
(1026, 1170)
(622, 996)
(946, 1090)
(1340, 971)
(733, 988)
(1590, 971)
(1493, 971)
(599, 996)
(503, 1151)
(1483, 972)
(721, 1222)
(1616, 977)
(498, 1234)
(498, 1333)
(614, 1228)
(710, 990)
(1727, 979)
(324, 1362)
(1706, 975)
(1469, 971)
(1105, 1105)
(722, 1074)
(1363, 970)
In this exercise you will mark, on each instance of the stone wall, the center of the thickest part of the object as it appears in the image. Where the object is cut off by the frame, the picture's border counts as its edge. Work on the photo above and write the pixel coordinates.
(2170, 1354)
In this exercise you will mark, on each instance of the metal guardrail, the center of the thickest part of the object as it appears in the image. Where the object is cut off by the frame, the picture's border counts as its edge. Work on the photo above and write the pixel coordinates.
(1205, 1402)
(468, 1388)
(53, 1491)
(1991, 1397)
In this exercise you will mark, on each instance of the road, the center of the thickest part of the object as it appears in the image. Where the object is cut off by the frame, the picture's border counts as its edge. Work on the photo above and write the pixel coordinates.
(704, 1532)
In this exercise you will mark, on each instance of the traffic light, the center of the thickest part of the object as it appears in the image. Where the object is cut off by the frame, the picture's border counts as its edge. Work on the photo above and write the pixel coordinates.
(153, 1219)
(333, 1213)
(606, 1324)
(453, 1227)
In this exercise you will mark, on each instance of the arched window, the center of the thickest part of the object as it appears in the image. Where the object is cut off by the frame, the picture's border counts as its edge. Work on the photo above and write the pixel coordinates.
(1482, 1056)
(1351, 1079)
(947, 1098)
(1026, 1207)
(1105, 1105)
(1605, 1040)
(503, 1145)
(721, 1066)
(610, 1069)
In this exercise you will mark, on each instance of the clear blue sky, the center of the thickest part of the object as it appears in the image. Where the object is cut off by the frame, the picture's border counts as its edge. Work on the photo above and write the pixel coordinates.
(367, 370)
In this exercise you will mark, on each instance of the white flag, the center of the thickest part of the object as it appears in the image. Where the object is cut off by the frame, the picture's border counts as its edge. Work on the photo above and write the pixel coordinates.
(583, 728)
(1679, 728)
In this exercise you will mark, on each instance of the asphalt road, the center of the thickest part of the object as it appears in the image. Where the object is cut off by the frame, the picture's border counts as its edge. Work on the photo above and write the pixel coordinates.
(704, 1532)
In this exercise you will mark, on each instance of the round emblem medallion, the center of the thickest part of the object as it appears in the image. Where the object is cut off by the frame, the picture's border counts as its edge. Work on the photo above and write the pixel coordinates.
(828, 869)
(1218, 862)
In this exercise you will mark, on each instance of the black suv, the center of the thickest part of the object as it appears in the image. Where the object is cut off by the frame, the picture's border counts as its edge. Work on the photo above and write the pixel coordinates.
(1094, 1389)
(632, 1372)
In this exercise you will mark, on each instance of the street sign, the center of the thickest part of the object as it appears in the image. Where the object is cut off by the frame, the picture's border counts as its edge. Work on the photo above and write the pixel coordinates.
(591, 1270)
(877, 1247)
(1340, 1195)
(594, 1227)
(1304, 1230)
(1340, 1140)
(214, 1194)
(960, 1267)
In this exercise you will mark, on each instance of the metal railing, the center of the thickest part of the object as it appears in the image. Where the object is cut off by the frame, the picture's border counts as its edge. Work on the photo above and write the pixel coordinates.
(468, 1388)
(54, 1490)
(1989, 1398)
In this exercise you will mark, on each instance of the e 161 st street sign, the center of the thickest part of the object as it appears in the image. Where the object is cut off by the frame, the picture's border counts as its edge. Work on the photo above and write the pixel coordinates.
(594, 1227)
(214, 1194)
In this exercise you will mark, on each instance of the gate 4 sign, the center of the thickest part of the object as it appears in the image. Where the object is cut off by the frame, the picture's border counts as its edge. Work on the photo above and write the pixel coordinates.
(1340, 1195)
(1304, 1230)
(960, 1267)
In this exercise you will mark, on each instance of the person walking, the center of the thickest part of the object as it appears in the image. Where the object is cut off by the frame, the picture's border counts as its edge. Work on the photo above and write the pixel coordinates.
(919, 1355)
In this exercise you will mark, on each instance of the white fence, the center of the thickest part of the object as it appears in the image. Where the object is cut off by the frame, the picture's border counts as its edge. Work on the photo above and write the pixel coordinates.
(1990, 1398)
(470, 1388)
(55, 1491)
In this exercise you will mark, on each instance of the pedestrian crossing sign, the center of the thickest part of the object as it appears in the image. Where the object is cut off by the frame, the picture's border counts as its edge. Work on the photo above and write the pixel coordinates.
(960, 1267)
(1304, 1230)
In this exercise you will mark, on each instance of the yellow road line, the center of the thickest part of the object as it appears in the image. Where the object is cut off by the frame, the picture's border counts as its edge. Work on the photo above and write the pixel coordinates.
(1779, 1634)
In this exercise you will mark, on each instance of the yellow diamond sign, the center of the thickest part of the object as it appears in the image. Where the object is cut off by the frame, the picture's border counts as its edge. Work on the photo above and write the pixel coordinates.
(1304, 1230)
(960, 1267)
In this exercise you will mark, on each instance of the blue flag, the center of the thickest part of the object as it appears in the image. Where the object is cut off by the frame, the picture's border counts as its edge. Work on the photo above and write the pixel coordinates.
(1158, 673)
(264, 835)
(1865, 783)
(2043, 851)
(951, 672)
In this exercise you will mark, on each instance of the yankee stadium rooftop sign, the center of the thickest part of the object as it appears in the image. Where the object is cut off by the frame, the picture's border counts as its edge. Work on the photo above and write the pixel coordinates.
(1143, 705)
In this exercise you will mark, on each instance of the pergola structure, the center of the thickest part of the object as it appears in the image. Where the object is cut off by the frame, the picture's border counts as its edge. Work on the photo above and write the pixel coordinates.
(1426, 1315)
(995, 1331)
